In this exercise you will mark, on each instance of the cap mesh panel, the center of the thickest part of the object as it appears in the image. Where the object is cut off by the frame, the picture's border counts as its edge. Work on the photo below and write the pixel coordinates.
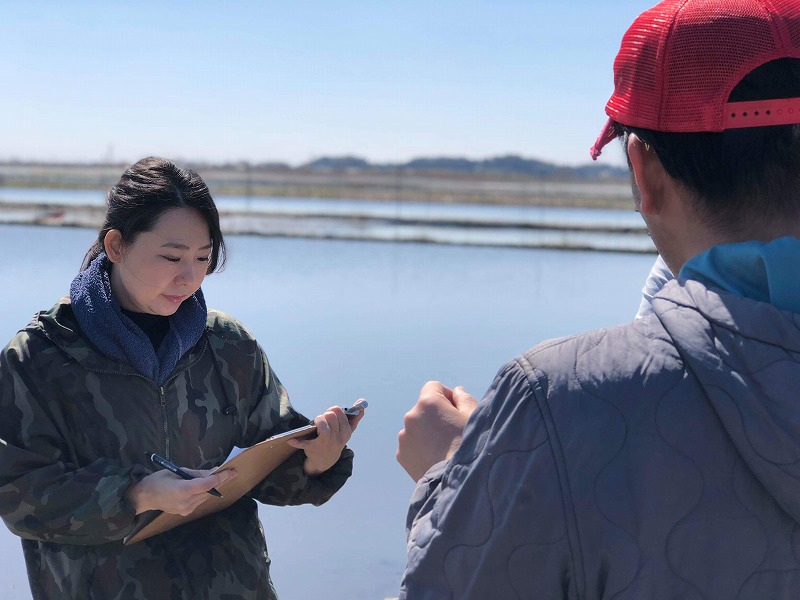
(680, 60)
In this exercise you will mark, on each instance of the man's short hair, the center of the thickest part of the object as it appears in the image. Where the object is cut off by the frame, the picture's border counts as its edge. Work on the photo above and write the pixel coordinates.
(738, 176)
(713, 86)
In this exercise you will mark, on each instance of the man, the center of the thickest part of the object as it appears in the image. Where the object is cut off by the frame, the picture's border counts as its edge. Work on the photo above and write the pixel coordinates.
(659, 459)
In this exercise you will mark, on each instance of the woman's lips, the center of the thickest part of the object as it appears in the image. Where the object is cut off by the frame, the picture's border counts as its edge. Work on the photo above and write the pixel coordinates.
(175, 299)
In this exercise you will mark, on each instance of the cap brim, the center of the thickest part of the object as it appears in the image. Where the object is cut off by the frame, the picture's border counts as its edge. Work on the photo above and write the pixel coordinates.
(606, 135)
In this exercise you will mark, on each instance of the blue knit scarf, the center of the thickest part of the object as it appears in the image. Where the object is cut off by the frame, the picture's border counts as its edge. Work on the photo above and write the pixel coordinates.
(114, 334)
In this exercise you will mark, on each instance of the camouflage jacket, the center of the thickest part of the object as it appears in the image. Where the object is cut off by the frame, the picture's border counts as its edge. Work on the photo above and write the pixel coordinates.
(75, 428)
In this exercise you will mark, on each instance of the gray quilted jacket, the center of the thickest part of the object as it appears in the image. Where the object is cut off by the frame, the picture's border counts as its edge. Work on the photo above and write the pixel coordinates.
(659, 459)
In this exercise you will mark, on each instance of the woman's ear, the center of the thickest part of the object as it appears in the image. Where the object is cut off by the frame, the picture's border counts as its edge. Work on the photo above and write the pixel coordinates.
(114, 245)
(649, 175)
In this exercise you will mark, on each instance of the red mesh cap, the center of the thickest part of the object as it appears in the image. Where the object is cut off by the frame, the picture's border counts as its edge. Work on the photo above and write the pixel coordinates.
(680, 60)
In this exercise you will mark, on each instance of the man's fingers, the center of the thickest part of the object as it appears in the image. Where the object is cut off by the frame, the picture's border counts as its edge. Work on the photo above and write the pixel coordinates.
(434, 389)
(463, 399)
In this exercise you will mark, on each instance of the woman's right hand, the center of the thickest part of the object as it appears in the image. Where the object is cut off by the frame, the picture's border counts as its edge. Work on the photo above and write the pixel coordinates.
(169, 493)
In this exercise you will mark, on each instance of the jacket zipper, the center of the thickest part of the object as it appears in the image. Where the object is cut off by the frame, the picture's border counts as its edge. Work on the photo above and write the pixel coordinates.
(164, 421)
(161, 392)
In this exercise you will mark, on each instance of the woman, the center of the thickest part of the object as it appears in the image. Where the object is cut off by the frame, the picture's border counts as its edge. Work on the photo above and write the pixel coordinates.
(133, 362)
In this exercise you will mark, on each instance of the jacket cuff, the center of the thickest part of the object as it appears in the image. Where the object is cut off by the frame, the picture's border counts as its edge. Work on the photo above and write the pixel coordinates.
(426, 486)
(323, 486)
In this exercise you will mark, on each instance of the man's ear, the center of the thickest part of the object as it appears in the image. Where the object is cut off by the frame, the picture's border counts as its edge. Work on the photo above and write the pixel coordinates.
(649, 175)
(114, 245)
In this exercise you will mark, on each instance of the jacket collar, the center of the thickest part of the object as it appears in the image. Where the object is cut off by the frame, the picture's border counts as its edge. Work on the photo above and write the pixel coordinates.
(61, 327)
(763, 271)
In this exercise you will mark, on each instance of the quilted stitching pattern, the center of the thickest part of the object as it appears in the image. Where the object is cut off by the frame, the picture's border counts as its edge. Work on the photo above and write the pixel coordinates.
(660, 459)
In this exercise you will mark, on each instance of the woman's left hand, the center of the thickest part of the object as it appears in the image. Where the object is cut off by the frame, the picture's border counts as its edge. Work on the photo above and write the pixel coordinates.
(334, 429)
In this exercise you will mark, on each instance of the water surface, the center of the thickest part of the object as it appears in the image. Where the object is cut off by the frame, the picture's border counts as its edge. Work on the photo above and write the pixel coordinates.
(459, 224)
(344, 319)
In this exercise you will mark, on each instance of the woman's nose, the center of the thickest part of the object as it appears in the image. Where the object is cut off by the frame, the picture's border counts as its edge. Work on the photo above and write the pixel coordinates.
(188, 273)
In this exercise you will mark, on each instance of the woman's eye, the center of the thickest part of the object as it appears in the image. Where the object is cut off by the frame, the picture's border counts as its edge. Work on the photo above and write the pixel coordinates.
(171, 259)
(203, 258)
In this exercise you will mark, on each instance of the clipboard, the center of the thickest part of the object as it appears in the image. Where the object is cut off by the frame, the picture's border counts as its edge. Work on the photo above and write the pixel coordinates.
(252, 465)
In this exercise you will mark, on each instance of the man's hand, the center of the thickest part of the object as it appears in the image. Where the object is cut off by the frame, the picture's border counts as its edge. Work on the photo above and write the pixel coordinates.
(433, 427)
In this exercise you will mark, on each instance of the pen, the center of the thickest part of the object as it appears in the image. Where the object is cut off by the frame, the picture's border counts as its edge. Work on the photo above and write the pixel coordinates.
(173, 468)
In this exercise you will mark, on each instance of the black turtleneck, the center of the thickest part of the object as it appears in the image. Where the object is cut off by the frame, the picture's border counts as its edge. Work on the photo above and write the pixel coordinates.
(155, 326)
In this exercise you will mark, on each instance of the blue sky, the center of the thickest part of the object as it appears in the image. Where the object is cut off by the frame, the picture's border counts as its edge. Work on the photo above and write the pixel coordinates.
(295, 80)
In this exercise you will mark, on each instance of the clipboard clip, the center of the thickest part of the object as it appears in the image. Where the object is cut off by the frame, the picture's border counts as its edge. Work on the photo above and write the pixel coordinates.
(352, 411)
(356, 408)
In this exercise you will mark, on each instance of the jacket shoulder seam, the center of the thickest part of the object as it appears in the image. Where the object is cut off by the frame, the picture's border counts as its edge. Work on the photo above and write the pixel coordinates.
(535, 377)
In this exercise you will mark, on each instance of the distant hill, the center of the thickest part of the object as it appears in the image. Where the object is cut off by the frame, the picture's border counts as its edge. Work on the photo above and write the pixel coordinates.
(338, 164)
(498, 180)
(508, 165)
(502, 165)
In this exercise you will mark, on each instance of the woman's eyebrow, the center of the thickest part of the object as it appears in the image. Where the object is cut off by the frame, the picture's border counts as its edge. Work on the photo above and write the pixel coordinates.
(181, 246)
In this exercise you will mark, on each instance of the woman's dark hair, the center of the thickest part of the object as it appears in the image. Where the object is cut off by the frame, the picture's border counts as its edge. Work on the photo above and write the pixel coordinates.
(738, 176)
(145, 191)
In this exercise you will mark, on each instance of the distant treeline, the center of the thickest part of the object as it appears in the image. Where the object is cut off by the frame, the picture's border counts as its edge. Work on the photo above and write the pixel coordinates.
(502, 165)
(501, 180)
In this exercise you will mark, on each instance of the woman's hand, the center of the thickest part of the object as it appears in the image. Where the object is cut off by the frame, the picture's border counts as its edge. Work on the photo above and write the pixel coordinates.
(334, 429)
(169, 493)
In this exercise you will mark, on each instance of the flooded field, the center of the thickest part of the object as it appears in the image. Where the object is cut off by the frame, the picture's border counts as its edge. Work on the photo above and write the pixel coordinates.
(516, 226)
